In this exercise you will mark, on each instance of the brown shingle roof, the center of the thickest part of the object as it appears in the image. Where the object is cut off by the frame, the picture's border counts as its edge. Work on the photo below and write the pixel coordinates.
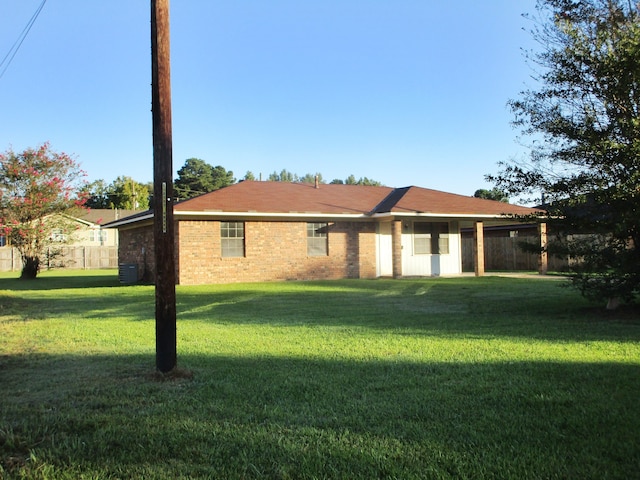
(301, 199)
(285, 197)
(424, 200)
(100, 216)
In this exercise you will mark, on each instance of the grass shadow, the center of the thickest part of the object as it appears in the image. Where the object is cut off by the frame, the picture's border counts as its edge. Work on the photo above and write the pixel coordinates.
(60, 280)
(108, 416)
(489, 308)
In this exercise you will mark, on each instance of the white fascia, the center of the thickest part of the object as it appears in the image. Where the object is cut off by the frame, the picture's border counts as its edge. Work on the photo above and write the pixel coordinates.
(292, 215)
(129, 221)
(465, 216)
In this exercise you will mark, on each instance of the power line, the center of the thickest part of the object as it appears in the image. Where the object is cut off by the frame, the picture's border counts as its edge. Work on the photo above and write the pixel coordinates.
(8, 58)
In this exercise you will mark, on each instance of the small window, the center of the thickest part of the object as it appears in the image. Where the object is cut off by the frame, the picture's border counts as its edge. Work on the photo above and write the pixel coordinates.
(57, 235)
(232, 238)
(441, 230)
(422, 238)
(98, 235)
(317, 239)
(430, 238)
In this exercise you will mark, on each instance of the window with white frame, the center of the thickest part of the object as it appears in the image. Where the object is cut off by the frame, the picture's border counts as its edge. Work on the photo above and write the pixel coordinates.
(98, 235)
(232, 239)
(57, 235)
(430, 238)
(317, 239)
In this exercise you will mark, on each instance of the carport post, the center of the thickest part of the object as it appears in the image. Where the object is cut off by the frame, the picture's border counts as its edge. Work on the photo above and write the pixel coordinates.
(396, 247)
(543, 260)
(478, 249)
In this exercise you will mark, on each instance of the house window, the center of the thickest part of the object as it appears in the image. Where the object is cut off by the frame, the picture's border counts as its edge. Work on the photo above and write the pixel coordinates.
(232, 239)
(430, 238)
(421, 238)
(317, 239)
(98, 235)
(3, 240)
(57, 235)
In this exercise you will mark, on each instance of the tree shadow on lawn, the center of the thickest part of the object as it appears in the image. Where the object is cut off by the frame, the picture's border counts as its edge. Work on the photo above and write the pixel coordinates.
(490, 309)
(295, 418)
(500, 308)
(132, 303)
(53, 281)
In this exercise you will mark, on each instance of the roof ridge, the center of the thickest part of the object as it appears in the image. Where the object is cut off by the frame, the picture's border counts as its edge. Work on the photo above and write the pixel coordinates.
(390, 201)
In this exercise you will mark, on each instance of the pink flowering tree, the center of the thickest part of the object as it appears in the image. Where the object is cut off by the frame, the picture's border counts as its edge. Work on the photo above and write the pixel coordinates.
(39, 192)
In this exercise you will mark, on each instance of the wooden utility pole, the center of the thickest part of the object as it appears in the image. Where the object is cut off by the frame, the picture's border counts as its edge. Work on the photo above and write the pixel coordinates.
(163, 228)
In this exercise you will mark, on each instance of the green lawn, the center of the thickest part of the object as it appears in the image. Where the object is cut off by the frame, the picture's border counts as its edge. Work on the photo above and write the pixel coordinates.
(432, 378)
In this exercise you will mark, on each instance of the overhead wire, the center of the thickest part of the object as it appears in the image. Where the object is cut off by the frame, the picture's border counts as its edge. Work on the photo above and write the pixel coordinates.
(8, 58)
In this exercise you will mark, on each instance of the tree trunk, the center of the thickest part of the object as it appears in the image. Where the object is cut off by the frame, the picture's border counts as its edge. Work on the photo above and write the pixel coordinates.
(613, 303)
(30, 267)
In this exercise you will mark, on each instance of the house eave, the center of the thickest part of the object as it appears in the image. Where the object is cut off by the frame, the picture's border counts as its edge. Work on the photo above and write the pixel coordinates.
(303, 216)
(453, 216)
(212, 214)
(129, 221)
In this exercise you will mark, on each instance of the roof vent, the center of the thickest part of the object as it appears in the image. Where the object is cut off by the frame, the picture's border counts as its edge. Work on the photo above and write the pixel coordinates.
(317, 182)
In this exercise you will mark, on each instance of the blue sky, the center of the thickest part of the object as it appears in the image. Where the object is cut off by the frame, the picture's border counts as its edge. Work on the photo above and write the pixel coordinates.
(406, 92)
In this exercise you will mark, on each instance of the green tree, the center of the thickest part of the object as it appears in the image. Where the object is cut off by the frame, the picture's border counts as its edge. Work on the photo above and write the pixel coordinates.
(287, 176)
(97, 194)
(39, 190)
(493, 194)
(249, 176)
(311, 178)
(351, 180)
(127, 194)
(197, 177)
(149, 187)
(123, 192)
(368, 181)
(584, 121)
(283, 176)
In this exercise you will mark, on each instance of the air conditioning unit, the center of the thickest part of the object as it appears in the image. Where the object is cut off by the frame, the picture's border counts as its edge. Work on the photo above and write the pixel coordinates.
(128, 273)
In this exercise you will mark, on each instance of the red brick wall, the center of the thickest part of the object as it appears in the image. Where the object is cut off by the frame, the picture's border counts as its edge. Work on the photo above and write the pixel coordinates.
(136, 246)
(273, 251)
(396, 246)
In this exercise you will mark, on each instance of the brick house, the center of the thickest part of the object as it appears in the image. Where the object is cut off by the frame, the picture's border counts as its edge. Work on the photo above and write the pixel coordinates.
(264, 231)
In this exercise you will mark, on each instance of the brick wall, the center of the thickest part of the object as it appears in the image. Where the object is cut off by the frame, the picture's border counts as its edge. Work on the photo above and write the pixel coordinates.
(136, 246)
(396, 242)
(275, 251)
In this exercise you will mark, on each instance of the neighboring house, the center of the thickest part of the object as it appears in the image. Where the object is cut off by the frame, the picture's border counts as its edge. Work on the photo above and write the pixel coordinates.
(263, 231)
(90, 245)
(90, 232)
